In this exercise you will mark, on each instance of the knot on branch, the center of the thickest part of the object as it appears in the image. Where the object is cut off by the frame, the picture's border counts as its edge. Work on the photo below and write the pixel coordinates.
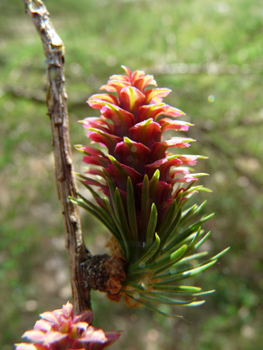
(104, 273)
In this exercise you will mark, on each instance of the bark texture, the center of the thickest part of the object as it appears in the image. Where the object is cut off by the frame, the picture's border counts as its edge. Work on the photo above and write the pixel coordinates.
(66, 186)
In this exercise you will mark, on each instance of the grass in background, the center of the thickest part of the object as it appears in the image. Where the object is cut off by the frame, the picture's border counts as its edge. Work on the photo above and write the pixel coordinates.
(210, 55)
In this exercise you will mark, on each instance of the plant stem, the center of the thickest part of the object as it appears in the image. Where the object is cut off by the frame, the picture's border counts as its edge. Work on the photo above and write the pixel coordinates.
(66, 186)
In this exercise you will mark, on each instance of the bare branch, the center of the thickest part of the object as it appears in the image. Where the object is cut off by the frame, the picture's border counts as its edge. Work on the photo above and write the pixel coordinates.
(57, 110)
(208, 140)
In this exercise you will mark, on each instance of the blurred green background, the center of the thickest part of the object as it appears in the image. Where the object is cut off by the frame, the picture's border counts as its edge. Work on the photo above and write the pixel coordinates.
(210, 54)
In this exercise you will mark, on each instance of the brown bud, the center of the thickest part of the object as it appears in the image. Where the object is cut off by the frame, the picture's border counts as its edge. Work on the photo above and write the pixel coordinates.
(105, 273)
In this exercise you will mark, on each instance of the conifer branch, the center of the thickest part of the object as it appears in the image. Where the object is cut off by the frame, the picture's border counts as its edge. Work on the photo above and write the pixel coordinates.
(57, 110)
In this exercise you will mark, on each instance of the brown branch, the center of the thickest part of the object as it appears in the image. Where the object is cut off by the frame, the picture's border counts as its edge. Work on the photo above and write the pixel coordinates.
(211, 68)
(20, 92)
(208, 140)
(57, 110)
(38, 96)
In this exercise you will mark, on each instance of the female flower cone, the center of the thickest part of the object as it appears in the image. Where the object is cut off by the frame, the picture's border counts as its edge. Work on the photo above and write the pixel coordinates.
(144, 188)
(62, 330)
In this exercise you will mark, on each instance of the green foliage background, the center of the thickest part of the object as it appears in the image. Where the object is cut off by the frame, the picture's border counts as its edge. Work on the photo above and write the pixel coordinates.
(210, 54)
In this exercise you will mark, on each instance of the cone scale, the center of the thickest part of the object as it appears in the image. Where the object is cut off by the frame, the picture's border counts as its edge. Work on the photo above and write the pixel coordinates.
(62, 329)
(141, 192)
